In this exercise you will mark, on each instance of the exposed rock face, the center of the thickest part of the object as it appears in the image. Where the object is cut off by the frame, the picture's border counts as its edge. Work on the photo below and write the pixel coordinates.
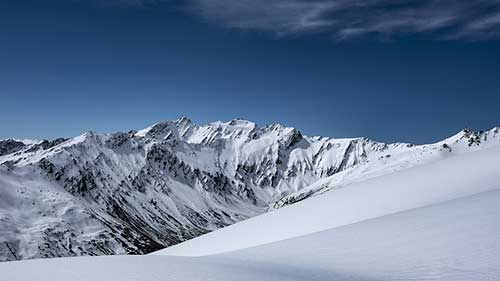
(9, 146)
(140, 191)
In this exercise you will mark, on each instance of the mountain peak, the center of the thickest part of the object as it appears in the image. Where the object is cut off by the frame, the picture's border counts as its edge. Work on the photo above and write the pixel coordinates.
(240, 122)
(183, 121)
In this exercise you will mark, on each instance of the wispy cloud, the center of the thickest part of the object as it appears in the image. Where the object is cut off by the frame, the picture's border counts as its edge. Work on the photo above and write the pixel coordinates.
(344, 19)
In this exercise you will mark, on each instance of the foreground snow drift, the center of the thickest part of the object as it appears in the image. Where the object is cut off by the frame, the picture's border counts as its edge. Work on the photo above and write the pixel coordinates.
(135, 268)
(454, 177)
(454, 240)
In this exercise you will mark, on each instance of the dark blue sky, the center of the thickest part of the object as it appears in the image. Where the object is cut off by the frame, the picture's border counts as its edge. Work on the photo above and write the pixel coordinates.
(71, 66)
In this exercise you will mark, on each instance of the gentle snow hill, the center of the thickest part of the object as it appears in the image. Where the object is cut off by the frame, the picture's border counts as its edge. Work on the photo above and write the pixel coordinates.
(455, 240)
(451, 178)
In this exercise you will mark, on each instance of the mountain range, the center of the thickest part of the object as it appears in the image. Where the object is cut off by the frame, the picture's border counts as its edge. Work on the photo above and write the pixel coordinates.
(140, 191)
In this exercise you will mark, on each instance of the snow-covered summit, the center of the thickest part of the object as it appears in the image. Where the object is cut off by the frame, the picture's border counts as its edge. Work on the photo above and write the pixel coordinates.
(139, 191)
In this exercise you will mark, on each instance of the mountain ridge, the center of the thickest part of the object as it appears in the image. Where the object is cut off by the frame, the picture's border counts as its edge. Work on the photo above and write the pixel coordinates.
(142, 190)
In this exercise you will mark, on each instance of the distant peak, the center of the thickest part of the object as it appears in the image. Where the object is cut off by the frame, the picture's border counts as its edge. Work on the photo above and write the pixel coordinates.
(240, 122)
(89, 133)
(24, 141)
(276, 127)
(183, 121)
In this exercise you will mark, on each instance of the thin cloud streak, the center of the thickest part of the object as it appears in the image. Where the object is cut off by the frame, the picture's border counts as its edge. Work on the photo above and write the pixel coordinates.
(346, 19)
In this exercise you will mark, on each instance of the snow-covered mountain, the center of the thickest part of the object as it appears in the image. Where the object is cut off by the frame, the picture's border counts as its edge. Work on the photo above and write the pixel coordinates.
(141, 191)
(437, 221)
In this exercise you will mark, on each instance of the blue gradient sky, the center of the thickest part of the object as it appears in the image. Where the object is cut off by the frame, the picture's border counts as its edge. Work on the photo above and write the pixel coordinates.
(71, 66)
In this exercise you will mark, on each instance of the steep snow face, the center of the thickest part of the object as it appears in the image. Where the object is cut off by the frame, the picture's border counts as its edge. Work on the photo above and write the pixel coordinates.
(38, 216)
(140, 191)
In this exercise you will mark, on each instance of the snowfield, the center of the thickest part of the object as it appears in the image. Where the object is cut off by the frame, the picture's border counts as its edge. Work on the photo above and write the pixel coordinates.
(451, 178)
(454, 240)
(438, 221)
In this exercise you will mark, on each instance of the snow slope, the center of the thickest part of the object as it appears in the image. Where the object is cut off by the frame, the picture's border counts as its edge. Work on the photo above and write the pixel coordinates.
(454, 240)
(451, 178)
